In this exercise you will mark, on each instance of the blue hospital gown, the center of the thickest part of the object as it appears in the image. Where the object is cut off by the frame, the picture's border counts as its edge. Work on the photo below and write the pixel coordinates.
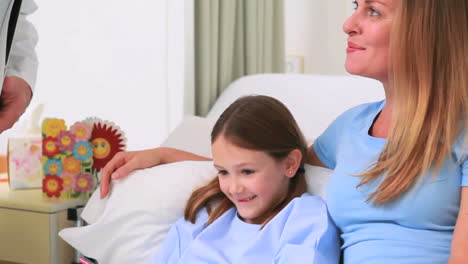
(416, 228)
(301, 233)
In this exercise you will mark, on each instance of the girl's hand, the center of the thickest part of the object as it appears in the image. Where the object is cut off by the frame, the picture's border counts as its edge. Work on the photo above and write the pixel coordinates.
(123, 163)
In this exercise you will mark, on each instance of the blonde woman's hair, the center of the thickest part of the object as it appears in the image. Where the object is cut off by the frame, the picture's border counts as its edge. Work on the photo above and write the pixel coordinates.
(429, 76)
(258, 123)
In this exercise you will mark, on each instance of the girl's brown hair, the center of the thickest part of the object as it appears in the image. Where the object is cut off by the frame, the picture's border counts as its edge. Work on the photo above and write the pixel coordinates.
(429, 76)
(258, 123)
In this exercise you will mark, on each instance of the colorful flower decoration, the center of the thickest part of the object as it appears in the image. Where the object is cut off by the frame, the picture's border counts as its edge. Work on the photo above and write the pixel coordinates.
(52, 185)
(81, 131)
(53, 167)
(73, 158)
(50, 147)
(66, 141)
(71, 165)
(83, 183)
(83, 150)
(51, 127)
(69, 181)
(107, 139)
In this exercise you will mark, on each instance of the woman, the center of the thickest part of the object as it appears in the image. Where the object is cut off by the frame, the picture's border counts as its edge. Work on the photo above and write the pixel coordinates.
(399, 189)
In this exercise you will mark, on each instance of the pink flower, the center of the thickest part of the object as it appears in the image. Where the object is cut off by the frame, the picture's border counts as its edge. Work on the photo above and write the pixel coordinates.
(81, 131)
(69, 180)
(83, 183)
(66, 141)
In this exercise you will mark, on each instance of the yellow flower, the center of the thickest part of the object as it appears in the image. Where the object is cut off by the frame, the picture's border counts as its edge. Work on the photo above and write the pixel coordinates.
(51, 127)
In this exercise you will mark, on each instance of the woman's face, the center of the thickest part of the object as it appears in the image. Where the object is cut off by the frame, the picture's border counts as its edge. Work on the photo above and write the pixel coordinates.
(368, 31)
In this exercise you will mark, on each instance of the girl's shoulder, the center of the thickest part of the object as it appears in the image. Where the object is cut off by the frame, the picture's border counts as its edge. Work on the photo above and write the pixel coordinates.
(308, 200)
(305, 216)
(305, 206)
(190, 229)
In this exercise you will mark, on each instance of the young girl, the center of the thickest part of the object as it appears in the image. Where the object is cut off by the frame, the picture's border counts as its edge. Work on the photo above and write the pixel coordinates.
(256, 209)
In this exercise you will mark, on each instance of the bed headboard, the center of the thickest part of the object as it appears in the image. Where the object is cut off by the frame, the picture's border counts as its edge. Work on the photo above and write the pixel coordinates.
(314, 100)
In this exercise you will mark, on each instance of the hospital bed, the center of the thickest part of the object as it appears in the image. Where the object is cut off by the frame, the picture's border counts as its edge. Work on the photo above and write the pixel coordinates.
(130, 225)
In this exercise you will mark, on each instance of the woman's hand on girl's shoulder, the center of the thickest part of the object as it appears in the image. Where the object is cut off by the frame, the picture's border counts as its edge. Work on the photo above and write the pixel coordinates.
(123, 163)
(313, 159)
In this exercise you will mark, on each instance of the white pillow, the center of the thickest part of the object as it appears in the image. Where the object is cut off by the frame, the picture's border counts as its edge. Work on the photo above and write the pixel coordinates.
(130, 225)
(317, 179)
(193, 134)
(138, 213)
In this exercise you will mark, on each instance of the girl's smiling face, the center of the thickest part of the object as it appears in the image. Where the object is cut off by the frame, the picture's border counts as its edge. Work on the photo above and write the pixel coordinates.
(368, 31)
(252, 180)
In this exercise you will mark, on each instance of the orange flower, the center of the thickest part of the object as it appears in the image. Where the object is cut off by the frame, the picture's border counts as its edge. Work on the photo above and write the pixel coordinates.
(71, 165)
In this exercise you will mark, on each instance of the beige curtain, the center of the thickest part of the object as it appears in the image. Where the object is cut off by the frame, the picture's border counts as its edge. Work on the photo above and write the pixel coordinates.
(234, 38)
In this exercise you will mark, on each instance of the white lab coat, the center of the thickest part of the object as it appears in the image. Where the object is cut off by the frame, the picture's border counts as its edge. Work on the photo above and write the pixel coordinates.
(22, 61)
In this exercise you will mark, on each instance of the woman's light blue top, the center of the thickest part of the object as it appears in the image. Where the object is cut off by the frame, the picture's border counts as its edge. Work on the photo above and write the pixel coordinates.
(417, 228)
(301, 233)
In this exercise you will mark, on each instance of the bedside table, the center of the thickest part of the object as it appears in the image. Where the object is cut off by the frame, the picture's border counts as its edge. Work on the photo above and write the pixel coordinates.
(29, 226)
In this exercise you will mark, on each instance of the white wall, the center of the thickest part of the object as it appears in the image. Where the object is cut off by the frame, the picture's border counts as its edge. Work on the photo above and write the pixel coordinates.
(115, 59)
(313, 30)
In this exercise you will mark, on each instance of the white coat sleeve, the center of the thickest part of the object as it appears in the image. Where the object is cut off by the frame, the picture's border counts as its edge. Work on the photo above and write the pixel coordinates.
(22, 61)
